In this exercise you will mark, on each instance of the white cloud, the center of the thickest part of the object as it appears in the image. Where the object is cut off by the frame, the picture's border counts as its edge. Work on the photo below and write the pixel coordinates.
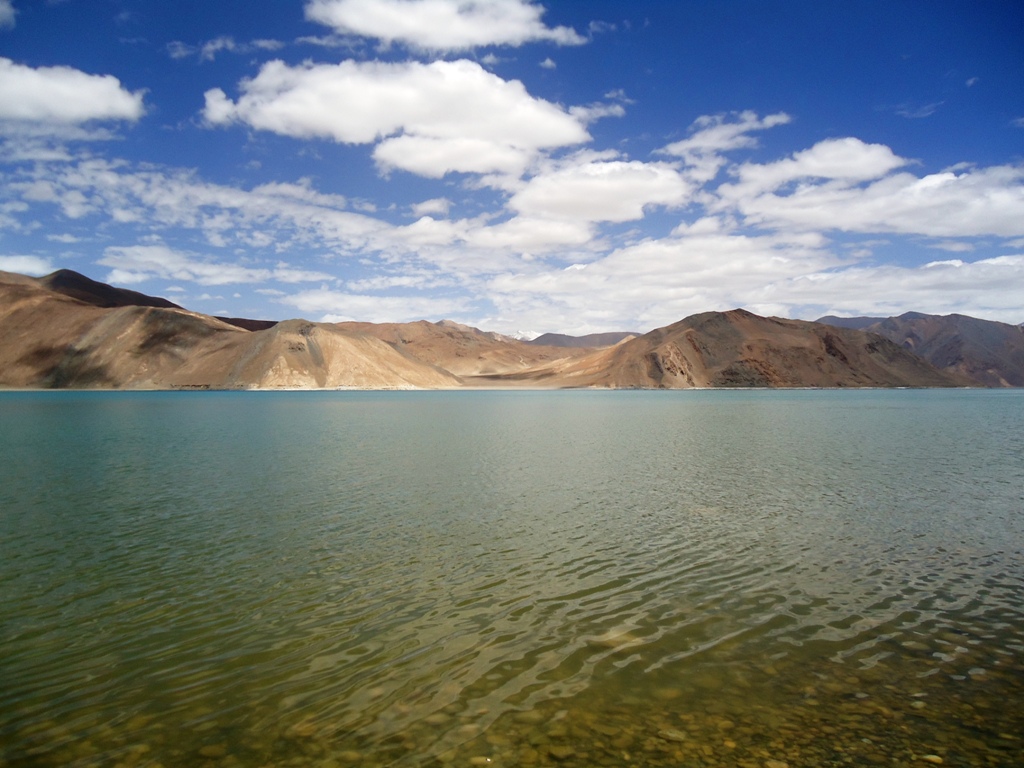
(435, 157)
(63, 95)
(655, 282)
(7, 14)
(281, 216)
(179, 50)
(757, 241)
(412, 279)
(438, 205)
(441, 25)
(954, 203)
(26, 265)
(208, 51)
(531, 235)
(988, 288)
(339, 306)
(712, 135)
(135, 264)
(427, 231)
(659, 281)
(847, 159)
(301, 191)
(441, 109)
(601, 191)
(592, 112)
(954, 246)
(548, 63)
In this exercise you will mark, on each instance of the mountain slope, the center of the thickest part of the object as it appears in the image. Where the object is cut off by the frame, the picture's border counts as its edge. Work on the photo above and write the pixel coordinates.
(857, 323)
(590, 340)
(740, 349)
(990, 353)
(55, 333)
(89, 291)
(50, 339)
(461, 349)
(85, 289)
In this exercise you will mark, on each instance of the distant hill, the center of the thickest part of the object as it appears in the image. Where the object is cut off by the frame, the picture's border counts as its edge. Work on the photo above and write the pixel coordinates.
(857, 323)
(590, 340)
(49, 339)
(70, 283)
(65, 330)
(740, 349)
(991, 354)
(462, 349)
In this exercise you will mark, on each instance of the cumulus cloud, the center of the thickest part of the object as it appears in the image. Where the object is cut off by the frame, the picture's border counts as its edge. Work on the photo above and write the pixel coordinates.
(451, 115)
(953, 203)
(434, 157)
(26, 265)
(847, 159)
(601, 191)
(986, 288)
(531, 235)
(63, 95)
(659, 281)
(441, 25)
(656, 281)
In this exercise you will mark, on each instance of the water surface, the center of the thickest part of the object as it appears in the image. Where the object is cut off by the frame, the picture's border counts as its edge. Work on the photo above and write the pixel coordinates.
(511, 578)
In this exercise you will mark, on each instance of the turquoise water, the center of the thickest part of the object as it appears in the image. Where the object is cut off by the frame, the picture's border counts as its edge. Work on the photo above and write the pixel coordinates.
(512, 578)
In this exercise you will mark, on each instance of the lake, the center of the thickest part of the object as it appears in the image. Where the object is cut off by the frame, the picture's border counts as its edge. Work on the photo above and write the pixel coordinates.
(696, 578)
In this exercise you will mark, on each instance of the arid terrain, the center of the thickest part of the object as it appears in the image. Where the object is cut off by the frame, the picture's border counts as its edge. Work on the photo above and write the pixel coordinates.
(68, 331)
(989, 353)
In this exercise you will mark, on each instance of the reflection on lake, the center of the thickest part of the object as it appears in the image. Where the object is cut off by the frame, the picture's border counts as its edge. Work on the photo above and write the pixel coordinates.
(512, 578)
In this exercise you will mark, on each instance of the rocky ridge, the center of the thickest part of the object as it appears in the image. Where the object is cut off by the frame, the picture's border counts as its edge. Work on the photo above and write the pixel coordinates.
(65, 330)
(988, 353)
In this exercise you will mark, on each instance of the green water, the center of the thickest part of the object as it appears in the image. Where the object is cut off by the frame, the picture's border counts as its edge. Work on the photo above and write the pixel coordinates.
(500, 578)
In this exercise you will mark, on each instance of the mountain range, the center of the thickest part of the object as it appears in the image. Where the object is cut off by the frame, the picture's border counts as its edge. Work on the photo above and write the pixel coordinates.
(66, 330)
(990, 354)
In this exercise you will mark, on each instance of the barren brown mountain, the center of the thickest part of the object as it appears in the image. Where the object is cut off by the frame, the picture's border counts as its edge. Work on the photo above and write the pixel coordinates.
(990, 353)
(740, 349)
(463, 350)
(49, 339)
(590, 340)
(65, 330)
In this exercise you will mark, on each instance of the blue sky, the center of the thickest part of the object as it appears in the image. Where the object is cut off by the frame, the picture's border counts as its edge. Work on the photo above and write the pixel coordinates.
(518, 166)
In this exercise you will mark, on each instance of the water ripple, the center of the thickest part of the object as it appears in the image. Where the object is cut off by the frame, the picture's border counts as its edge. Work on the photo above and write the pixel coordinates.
(347, 586)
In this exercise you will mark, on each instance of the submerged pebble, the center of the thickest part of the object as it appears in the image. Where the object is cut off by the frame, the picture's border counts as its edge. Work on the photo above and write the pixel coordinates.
(671, 734)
